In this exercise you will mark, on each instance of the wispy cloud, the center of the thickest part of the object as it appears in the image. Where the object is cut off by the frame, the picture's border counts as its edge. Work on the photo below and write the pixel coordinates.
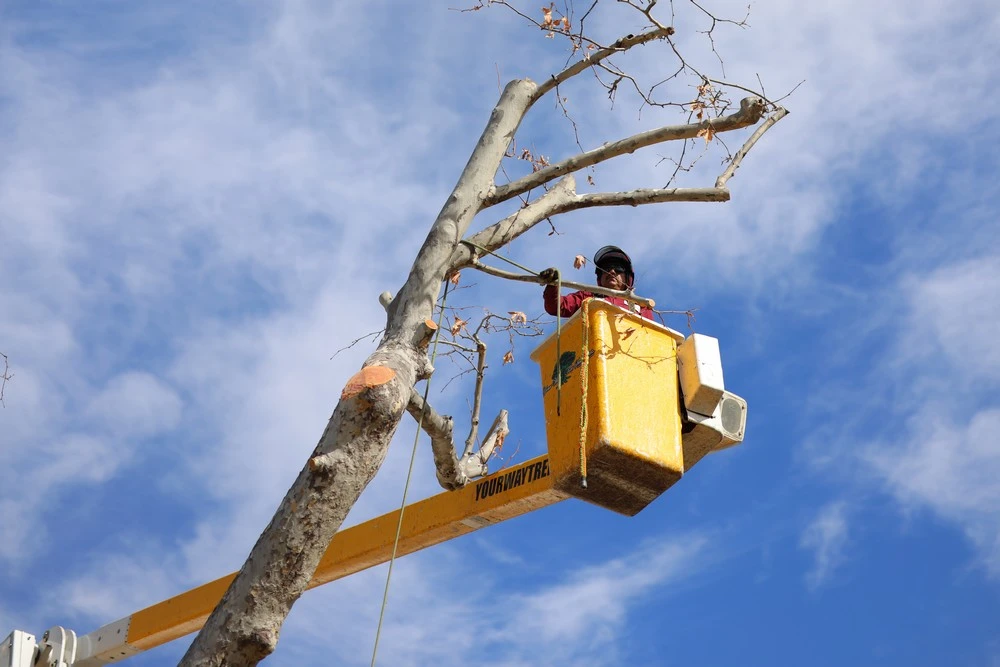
(827, 537)
(577, 617)
(919, 418)
(952, 469)
(945, 459)
(954, 315)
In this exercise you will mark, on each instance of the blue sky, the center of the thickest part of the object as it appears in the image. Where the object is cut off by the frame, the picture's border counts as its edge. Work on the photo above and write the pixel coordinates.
(200, 204)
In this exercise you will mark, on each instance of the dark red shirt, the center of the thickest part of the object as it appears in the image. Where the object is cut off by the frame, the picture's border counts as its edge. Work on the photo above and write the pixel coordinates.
(570, 303)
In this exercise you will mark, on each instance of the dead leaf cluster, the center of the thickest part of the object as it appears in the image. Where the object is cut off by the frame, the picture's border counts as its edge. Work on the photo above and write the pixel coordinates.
(553, 25)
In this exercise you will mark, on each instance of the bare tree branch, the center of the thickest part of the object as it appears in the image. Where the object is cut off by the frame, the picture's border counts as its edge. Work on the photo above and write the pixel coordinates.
(356, 341)
(623, 44)
(568, 284)
(452, 472)
(504, 231)
(5, 375)
(750, 112)
(477, 394)
(562, 198)
(441, 429)
(420, 291)
(457, 346)
(734, 164)
(494, 440)
(646, 196)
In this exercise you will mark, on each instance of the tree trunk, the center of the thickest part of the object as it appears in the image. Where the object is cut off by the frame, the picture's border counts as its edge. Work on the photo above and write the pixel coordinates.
(243, 629)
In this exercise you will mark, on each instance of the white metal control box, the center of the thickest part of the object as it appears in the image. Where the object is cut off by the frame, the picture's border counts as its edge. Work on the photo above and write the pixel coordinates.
(699, 365)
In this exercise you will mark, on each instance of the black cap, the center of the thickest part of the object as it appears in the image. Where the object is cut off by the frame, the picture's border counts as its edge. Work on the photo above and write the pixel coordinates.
(611, 254)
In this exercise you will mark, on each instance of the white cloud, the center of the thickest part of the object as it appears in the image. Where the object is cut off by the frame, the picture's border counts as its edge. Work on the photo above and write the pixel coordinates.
(140, 219)
(951, 468)
(827, 537)
(942, 370)
(955, 314)
(136, 405)
(442, 611)
(32, 481)
(17, 534)
(213, 229)
(595, 600)
(116, 587)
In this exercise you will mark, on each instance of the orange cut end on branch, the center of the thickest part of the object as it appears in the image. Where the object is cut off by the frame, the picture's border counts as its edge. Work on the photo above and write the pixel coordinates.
(366, 378)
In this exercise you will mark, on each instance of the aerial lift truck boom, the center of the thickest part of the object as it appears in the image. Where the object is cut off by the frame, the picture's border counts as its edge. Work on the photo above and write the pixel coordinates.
(630, 406)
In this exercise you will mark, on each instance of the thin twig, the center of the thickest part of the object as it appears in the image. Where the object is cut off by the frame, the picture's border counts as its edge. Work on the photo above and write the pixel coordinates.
(5, 376)
(623, 44)
(720, 182)
(477, 396)
(356, 341)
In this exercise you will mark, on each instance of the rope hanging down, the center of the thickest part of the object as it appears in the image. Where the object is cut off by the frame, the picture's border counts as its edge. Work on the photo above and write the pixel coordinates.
(406, 486)
(585, 358)
(584, 384)
(420, 421)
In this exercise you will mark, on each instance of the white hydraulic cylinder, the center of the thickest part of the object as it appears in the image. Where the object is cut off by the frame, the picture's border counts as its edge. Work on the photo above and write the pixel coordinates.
(699, 366)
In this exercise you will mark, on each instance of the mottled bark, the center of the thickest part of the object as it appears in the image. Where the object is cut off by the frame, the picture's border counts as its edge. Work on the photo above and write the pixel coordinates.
(243, 629)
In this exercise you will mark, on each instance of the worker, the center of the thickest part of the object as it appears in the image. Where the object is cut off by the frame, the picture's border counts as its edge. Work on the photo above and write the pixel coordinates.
(614, 271)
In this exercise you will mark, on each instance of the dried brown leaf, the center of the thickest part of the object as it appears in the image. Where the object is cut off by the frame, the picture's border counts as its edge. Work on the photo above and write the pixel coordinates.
(547, 15)
(508, 358)
(579, 262)
(457, 326)
(516, 316)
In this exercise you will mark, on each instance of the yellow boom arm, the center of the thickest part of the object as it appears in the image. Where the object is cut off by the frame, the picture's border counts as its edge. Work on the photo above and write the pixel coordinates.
(500, 496)
(618, 436)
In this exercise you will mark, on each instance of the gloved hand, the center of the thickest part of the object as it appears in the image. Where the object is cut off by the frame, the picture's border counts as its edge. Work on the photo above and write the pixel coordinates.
(549, 275)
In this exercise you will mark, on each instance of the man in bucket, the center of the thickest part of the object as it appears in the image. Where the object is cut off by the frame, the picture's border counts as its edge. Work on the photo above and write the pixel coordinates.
(614, 271)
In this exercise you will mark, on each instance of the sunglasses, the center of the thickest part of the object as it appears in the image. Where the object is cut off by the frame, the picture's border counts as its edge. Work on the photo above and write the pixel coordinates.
(620, 269)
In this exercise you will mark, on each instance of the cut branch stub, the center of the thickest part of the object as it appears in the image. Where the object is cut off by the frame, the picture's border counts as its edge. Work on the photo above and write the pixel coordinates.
(424, 334)
(366, 378)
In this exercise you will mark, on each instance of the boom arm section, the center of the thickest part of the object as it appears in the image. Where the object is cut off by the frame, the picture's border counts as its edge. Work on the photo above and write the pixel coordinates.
(628, 412)
(498, 497)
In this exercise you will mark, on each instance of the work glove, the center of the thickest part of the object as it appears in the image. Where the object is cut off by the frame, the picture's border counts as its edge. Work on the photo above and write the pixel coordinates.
(550, 275)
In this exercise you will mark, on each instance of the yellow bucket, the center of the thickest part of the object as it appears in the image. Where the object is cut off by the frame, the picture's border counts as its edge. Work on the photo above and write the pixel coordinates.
(623, 368)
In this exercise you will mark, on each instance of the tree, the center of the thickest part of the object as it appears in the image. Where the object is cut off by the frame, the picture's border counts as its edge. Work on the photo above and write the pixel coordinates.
(244, 627)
